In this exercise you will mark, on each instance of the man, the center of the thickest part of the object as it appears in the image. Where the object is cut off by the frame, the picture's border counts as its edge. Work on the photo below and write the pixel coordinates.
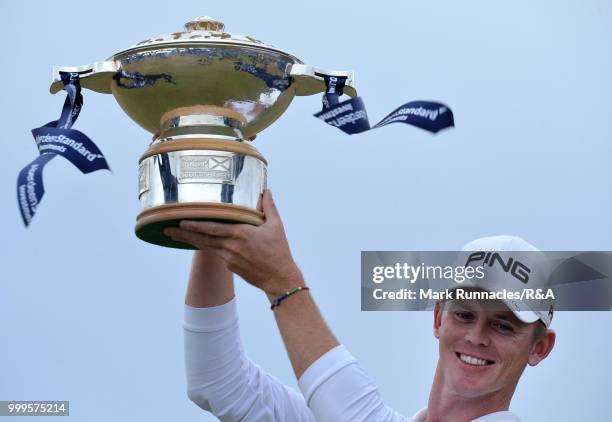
(482, 351)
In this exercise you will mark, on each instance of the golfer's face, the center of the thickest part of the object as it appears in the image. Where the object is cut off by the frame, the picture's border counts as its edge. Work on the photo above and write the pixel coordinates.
(482, 350)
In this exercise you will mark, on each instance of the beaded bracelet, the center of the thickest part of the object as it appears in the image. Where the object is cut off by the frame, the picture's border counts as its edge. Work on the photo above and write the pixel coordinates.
(285, 295)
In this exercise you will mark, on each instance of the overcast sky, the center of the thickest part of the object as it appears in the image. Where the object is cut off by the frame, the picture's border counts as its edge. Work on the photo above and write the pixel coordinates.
(93, 315)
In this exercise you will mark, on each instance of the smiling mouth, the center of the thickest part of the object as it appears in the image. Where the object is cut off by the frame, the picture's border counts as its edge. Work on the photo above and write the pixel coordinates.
(474, 361)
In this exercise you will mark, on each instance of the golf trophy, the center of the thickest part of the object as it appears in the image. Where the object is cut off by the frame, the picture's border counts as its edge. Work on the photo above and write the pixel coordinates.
(204, 93)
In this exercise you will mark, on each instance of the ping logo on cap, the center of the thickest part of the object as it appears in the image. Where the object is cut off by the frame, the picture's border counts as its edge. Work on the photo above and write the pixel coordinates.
(513, 266)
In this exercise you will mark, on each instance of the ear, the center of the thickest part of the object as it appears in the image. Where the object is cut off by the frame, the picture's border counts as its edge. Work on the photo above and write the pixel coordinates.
(542, 348)
(437, 319)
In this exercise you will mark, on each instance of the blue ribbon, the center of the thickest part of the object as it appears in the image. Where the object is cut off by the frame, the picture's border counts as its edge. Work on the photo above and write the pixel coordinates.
(58, 138)
(350, 116)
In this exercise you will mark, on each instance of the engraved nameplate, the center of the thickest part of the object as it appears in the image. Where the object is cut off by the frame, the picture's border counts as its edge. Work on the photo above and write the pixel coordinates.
(143, 178)
(206, 169)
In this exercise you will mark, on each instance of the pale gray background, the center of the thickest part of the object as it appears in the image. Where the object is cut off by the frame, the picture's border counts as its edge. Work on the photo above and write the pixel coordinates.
(90, 314)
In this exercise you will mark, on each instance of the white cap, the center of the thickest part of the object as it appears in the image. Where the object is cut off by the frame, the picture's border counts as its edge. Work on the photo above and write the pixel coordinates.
(510, 263)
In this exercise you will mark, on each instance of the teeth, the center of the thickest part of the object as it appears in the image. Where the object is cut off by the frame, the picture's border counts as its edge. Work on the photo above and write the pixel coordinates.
(472, 360)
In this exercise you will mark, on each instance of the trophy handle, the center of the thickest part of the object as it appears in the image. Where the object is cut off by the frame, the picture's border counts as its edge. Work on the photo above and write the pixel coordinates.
(309, 80)
(96, 77)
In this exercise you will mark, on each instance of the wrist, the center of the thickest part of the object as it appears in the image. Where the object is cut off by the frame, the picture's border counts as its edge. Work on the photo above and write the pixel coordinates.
(209, 259)
(281, 285)
(210, 282)
(286, 295)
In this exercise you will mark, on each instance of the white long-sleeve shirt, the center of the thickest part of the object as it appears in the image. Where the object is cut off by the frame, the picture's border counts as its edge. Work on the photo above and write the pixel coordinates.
(224, 381)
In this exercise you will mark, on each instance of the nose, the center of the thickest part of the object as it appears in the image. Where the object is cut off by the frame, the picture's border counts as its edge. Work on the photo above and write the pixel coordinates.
(477, 335)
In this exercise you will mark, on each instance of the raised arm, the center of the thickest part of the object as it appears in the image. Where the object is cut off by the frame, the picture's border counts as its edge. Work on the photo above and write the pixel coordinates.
(261, 256)
(335, 387)
(220, 377)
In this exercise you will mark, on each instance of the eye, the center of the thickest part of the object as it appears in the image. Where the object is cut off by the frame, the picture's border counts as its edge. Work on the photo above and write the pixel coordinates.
(464, 316)
(503, 327)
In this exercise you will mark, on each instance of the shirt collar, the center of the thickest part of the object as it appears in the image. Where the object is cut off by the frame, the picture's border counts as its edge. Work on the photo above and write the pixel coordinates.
(503, 416)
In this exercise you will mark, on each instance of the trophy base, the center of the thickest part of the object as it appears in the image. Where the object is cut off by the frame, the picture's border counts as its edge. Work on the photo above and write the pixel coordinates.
(150, 224)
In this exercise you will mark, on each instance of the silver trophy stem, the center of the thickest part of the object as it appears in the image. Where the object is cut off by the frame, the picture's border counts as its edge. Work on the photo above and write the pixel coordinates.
(198, 124)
